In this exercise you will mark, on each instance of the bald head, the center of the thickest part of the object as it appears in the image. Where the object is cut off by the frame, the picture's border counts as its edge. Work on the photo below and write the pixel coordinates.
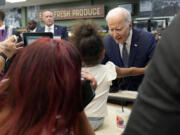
(32, 24)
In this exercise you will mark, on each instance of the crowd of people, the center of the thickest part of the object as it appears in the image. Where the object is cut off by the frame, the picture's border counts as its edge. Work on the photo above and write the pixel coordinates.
(41, 94)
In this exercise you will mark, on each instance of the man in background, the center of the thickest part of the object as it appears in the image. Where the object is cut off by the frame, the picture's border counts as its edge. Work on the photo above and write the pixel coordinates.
(3, 31)
(57, 30)
(127, 47)
(32, 26)
(159, 31)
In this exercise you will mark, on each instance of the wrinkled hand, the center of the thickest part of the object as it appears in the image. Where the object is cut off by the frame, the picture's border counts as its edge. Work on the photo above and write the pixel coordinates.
(90, 77)
(10, 47)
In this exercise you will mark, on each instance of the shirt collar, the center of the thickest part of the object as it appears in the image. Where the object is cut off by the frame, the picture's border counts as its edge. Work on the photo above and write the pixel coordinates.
(34, 30)
(128, 41)
(52, 26)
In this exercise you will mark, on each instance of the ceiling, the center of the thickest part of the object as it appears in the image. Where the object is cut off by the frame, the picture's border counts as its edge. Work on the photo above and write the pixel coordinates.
(33, 3)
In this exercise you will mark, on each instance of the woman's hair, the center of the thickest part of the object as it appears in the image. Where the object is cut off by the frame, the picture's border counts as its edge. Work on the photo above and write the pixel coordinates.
(44, 89)
(87, 39)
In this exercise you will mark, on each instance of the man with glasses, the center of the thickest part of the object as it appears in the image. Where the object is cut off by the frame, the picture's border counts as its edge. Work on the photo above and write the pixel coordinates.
(127, 47)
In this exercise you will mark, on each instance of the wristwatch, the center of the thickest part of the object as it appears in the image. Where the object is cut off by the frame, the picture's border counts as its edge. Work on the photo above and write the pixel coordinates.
(4, 56)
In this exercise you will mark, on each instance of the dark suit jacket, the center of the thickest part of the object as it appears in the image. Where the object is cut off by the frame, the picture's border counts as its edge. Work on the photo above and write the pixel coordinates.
(141, 51)
(157, 108)
(58, 31)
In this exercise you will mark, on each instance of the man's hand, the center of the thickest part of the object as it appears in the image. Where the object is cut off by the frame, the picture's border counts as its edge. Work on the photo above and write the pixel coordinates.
(131, 71)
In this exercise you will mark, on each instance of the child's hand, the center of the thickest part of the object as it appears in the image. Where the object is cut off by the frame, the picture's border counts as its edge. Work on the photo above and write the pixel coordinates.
(90, 77)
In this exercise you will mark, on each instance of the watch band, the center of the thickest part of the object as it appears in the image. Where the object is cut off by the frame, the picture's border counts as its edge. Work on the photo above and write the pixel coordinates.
(3, 55)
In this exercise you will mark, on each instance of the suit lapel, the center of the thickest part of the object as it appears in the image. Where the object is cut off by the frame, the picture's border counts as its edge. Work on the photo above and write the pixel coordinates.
(56, 30)
(43, 29)
(133, 49)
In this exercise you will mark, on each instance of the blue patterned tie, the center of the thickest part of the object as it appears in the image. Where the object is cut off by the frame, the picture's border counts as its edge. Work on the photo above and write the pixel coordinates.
(125, 55)
(49, 29)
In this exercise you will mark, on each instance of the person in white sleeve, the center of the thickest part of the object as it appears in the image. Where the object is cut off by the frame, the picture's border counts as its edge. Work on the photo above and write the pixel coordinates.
(87, 39)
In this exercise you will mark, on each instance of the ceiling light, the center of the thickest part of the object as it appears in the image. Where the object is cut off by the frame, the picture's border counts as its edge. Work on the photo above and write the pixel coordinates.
(15, 1)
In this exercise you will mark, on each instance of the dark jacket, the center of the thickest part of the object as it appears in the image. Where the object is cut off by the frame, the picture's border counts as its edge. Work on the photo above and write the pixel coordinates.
(141, 50)
(60, 31)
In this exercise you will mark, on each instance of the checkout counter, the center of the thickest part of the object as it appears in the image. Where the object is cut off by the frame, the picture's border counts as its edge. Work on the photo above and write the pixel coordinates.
(109, 126)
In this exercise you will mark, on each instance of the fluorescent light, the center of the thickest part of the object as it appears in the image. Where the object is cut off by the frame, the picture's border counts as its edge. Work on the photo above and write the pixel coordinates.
(15, 1)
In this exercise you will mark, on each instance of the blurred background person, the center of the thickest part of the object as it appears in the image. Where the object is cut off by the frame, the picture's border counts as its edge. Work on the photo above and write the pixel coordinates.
(156, 36)
(3, 30)
(42, 91)
(159, 31)
(32, 26)
(57, 30)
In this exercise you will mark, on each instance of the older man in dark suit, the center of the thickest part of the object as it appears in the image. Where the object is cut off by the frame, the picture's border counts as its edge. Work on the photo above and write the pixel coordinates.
(127, 47)
(57, 30)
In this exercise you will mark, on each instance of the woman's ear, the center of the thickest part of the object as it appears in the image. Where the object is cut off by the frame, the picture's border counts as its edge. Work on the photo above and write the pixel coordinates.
(103, 53)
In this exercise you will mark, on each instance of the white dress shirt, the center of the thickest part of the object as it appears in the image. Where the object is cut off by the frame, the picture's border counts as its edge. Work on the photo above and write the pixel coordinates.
(128, 44)
(34, 30)
(47, 28)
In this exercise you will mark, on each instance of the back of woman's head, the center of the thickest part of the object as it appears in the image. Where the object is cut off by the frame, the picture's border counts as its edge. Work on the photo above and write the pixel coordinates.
(44, 82)
(86, 37)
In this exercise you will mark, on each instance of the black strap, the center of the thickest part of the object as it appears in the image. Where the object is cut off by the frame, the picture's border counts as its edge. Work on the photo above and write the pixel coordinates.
(3, 55)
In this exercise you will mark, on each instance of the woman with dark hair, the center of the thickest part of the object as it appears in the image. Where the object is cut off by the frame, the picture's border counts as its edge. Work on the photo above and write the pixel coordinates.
(41, 92)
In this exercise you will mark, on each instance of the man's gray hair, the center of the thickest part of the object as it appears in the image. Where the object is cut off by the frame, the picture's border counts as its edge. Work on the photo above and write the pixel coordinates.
(116, 12)
(47, 11)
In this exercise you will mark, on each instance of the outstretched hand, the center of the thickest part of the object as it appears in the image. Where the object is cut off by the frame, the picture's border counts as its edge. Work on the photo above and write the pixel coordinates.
(9, 47)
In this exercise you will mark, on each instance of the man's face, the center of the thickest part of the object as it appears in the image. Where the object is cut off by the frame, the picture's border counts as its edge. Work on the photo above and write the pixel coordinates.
(48, 18)
(31, 25)
(119, 29)
(159, 31)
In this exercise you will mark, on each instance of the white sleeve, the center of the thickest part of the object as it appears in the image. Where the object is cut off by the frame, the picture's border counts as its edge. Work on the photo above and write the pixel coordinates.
(111, 72)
